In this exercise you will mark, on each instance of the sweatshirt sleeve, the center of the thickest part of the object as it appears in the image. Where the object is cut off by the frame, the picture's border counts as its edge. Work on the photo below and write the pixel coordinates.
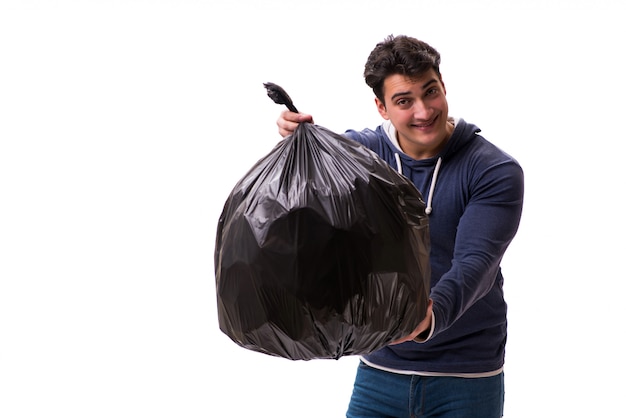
(486, 227)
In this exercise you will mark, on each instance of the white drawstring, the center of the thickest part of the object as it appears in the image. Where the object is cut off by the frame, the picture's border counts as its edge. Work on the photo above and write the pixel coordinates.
(431, 192)
(398, 164)
(433, 181)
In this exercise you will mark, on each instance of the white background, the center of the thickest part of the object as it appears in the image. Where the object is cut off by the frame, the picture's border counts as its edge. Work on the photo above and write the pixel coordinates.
(125, 124)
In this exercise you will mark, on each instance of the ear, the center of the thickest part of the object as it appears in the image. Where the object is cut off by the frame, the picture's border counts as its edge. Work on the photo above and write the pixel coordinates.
(381, 109)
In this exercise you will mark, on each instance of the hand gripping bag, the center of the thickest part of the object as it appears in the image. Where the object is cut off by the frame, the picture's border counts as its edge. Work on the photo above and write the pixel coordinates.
(322, 251)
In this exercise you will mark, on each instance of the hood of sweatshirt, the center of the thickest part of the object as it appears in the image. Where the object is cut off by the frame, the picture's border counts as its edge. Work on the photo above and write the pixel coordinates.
(462, 135)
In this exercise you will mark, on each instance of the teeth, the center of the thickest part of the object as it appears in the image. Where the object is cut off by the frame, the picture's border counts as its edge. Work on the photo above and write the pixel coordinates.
(424, 124)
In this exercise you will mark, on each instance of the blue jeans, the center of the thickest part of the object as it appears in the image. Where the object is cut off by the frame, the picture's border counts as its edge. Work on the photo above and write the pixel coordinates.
(382, 394)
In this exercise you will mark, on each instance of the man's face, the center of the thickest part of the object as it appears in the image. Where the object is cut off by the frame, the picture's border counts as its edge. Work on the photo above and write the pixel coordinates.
(419, 111)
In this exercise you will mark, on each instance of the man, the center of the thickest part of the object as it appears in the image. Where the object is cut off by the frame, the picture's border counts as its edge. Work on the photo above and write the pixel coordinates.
(452, 364)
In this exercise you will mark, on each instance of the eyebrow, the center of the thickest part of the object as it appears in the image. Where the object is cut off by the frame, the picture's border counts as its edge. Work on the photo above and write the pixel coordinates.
(406, 93)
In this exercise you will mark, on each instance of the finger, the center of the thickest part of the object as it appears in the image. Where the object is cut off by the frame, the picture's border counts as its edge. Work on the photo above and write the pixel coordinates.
(296, 117)
(285, 127)
(288, 122)
(409, 337)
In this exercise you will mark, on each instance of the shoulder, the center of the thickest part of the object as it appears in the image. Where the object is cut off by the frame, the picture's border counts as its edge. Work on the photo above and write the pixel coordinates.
(366, 136)
(493, 159)
(472, 146)
(376, 140)
(483, 163)
(494, 173)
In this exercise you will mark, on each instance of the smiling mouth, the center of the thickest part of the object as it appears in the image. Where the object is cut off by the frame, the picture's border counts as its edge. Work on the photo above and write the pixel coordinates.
(426, 124)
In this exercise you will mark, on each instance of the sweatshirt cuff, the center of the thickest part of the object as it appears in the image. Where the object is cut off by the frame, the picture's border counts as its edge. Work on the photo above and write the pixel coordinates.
(426, 335)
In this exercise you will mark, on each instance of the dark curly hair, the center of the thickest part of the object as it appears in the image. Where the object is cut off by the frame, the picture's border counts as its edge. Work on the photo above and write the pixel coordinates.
(399, 55)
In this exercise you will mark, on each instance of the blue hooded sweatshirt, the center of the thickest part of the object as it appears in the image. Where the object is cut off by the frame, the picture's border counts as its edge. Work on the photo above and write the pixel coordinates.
(475, 205)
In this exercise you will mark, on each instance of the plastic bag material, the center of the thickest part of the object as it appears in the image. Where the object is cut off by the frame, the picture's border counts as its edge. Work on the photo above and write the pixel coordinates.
(322, 251)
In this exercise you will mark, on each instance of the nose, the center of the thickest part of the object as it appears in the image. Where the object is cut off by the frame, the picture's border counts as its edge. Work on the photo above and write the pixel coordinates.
(421, 111)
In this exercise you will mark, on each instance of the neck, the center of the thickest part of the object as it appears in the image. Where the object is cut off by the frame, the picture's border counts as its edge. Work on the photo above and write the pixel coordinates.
(424, 153)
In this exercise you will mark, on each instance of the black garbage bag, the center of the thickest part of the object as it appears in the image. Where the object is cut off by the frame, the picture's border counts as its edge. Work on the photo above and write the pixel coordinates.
(322, 251)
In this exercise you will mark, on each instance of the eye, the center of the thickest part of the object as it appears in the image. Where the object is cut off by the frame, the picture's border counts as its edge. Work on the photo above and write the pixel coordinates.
(403, 103)
(432, 91)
